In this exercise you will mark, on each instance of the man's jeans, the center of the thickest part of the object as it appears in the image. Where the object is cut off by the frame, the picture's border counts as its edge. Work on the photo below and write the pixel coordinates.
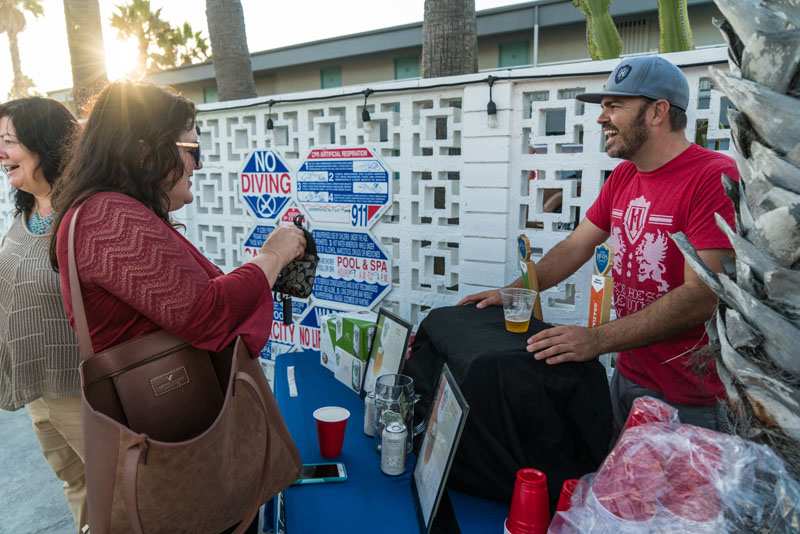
(624, 392)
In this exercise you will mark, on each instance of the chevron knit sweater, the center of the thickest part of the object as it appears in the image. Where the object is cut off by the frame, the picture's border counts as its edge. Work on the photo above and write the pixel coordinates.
(138, 275)
(38, 350)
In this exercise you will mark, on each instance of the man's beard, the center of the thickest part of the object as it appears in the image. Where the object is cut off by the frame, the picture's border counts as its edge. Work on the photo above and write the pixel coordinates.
(632, 139)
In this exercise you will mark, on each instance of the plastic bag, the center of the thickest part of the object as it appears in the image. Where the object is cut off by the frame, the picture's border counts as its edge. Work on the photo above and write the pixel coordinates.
(665, 477)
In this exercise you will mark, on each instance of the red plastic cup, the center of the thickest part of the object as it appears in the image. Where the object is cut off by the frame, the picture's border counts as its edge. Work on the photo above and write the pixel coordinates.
(530, 504)
(565, 499)
(331, 422)
(649, 410)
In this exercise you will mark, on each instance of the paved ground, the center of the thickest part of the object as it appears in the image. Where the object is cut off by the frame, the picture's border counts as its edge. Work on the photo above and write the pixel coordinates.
(31, 498)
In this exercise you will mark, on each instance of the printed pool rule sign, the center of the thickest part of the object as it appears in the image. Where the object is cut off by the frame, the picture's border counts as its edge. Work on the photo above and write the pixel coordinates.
(265, 184)
(258, 235)
(282, 337)
(343, 186)
(353, 271)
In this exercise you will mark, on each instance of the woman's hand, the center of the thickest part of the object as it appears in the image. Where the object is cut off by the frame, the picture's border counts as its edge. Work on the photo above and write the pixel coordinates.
(288, 242)
(283, 245)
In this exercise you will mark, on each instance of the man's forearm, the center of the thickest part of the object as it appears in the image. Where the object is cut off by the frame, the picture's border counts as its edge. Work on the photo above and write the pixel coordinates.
(562, 261)
(683, 308)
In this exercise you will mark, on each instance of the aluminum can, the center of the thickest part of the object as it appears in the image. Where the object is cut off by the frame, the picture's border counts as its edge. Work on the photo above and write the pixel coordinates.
(369, 414)
(393, 449)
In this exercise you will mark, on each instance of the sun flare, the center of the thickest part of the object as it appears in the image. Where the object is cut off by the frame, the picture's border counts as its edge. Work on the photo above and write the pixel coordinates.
(121, 58)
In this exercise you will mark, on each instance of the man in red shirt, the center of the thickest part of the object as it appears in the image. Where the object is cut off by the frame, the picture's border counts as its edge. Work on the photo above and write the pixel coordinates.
(667, 185)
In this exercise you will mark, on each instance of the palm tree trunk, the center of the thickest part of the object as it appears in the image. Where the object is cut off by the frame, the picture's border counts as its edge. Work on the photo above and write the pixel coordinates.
(13, 47)
(449, 38)
(85, 38)
(22, 84)
(229, 50)
(757, 326)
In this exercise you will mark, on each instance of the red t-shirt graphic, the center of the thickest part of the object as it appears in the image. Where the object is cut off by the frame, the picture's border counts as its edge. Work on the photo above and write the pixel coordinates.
(640, 210)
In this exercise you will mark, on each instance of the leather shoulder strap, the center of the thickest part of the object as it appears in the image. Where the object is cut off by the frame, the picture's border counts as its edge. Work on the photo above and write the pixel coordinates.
(78, 311)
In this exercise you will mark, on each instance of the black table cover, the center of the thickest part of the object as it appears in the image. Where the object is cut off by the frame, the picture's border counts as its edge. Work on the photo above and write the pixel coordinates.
(523, 412)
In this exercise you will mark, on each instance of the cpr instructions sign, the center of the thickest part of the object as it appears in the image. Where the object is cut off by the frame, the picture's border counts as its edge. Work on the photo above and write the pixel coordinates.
(265, 184)
(343, 186)
(353, 270)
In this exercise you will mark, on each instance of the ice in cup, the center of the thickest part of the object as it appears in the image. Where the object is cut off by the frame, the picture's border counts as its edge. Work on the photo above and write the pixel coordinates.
(517, 308)
(331, 423)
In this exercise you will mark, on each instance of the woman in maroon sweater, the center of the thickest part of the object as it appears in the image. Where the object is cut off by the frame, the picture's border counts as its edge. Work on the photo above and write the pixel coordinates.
(131, 166)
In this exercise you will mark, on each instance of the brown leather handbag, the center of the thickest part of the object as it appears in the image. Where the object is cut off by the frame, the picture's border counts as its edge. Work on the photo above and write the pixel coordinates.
(177, 439)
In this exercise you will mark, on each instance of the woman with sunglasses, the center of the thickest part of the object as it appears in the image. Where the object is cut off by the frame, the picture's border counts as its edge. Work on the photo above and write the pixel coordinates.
(38, 352)
(137, 273)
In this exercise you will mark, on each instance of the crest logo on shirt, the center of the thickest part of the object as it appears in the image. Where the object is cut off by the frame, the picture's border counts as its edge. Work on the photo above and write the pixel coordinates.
(635, 218)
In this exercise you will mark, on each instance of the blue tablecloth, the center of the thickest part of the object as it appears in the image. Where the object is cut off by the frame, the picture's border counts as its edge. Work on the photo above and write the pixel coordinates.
(368, 501)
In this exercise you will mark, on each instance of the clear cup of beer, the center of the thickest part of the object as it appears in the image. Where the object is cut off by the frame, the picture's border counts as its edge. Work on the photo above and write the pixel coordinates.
(517, 308)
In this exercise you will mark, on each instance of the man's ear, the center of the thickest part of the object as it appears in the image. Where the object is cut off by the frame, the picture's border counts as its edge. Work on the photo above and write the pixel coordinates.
(659, 112)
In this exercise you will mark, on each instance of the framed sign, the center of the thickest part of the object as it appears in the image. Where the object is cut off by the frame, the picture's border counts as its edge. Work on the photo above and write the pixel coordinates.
(442, 434)
(388, 349)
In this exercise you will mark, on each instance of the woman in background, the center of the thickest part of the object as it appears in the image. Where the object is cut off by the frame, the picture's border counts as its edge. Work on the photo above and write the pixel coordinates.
(38, 351)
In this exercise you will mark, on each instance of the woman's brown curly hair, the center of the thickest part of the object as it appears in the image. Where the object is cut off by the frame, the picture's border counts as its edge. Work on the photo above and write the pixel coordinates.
(127, 146)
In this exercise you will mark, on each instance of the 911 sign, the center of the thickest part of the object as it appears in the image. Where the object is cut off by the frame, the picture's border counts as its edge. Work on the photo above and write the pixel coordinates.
(265, 184)
(346, 186)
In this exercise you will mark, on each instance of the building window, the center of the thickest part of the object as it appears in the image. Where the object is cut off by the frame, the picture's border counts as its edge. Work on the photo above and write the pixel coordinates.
(406, 67)
(635, 35)
(513, 54)
(330, 77)
(724, 105)
(210, 94)
(704, 93)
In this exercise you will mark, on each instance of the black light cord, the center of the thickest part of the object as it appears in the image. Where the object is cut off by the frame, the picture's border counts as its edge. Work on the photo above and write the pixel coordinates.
(488, 80)
(364, 111)
(491, 107)
(270, 125)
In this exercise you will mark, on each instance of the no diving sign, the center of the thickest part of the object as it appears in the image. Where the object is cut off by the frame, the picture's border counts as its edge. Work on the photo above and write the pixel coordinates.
(265, 184)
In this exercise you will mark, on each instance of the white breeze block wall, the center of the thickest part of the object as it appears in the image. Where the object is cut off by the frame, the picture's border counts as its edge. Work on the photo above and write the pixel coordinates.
(462, 192)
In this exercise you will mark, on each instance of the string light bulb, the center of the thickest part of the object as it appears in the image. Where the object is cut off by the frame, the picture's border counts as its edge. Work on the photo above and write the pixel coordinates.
(491, 107)
(365, 118)
(270, 124)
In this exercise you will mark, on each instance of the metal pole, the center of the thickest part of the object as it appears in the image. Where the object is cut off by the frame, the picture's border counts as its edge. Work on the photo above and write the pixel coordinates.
(535, 36)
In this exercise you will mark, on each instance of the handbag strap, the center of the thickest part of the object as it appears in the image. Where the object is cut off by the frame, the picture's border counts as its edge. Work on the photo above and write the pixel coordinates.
(78, 310)
(136, 454)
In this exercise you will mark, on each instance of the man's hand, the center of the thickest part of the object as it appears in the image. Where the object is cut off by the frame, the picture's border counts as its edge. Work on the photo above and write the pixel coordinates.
(565, 344)
(483, 299)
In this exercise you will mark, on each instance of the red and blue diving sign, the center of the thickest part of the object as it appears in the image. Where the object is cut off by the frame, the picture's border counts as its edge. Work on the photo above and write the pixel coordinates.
(265, 184)
(343, 186)
(353, 270)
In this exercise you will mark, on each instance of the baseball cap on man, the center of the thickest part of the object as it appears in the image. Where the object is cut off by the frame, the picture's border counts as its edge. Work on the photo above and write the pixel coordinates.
(649, 76)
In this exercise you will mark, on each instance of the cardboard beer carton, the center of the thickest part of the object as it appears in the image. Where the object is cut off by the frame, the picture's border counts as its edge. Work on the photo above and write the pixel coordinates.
(345, 341)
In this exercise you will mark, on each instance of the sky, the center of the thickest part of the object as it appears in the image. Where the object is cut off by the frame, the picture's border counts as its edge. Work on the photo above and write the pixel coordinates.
(45, 54)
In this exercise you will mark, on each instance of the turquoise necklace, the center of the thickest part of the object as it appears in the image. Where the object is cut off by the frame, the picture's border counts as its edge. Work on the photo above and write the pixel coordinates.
(40, 225)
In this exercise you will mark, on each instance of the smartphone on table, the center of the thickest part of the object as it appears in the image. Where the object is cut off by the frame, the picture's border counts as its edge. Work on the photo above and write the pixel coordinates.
(323, 472)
